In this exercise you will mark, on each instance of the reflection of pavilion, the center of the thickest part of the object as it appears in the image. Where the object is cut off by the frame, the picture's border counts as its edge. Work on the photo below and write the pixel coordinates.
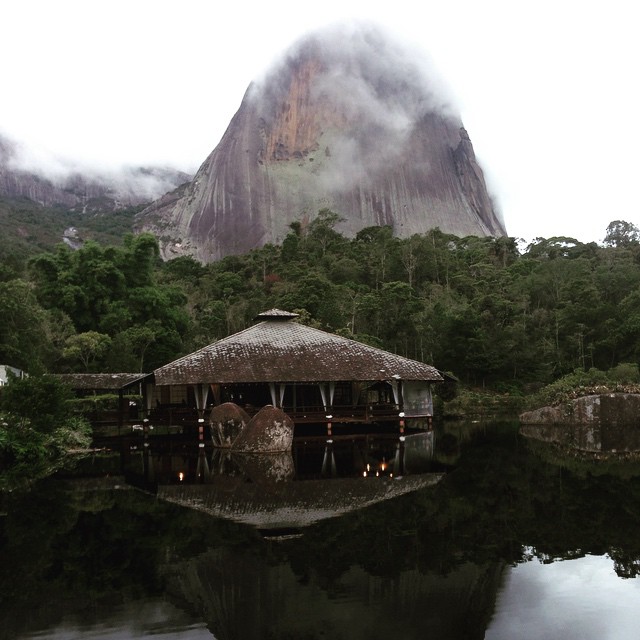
(274, 491)
(292, 505)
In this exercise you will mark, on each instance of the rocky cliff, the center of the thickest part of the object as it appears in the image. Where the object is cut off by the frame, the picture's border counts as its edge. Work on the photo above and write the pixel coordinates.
(82, 190)
(347, 121)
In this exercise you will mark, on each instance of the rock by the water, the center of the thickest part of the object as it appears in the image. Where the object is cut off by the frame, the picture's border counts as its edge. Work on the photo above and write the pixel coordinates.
(604, 422)
(227, 421)
(269, 431)
(610, 408)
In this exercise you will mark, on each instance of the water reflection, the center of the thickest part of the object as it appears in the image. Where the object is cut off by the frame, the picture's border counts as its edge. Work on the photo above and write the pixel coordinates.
(468, 556)
(247, 598)
(148, 617)
(581, 598)
(592, 437)
(288, 491)
(310, 459)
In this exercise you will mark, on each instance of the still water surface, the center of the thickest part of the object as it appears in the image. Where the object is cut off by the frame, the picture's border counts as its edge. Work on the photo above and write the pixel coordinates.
(514, 541)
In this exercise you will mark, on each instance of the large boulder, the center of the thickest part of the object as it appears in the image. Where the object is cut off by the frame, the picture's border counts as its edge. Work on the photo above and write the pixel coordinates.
(269, 431)
(227, 421)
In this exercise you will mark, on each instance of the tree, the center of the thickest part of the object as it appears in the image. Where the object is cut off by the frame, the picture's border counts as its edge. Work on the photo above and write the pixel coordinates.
(621, 234)
(374, 247)
(87, 347)
(24, 327)
(321, 231)
(137, 340)
(40, 399)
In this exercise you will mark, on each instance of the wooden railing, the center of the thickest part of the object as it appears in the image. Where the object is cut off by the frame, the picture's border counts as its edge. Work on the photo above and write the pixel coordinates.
(177, 419)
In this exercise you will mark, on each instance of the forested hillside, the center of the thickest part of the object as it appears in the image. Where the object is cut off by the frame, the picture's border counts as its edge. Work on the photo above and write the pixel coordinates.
(476, 307)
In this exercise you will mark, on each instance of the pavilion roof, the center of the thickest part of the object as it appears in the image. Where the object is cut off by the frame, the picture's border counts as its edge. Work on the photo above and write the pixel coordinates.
(279, 350)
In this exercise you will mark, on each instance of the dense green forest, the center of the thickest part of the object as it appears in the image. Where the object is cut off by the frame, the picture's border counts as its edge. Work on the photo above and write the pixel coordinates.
(490, 312)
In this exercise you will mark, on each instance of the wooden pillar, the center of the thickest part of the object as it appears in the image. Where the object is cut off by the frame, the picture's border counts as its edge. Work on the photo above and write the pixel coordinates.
(202, 470)
(401, 406)
(145, 449)
(120, 410)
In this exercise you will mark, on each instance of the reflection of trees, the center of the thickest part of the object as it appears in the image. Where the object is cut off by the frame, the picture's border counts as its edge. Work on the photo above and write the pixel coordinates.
(500, 505)
(66, 552)
(501, 499)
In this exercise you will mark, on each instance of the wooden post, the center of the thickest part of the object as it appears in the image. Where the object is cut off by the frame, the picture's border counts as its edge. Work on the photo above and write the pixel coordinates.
(145, 449)
(202, 470)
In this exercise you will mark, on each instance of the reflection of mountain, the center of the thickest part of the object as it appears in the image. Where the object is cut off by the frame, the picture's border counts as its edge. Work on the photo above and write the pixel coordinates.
(243, 597)
(291, 504)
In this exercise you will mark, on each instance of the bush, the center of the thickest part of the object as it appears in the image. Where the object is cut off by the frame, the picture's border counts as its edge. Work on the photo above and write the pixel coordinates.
(76, 433)
(42, 400)
(27, 454)
(20, 443)
(622, 378)
(625, 372)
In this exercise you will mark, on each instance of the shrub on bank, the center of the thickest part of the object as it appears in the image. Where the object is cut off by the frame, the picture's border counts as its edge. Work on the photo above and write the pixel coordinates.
(625, 378)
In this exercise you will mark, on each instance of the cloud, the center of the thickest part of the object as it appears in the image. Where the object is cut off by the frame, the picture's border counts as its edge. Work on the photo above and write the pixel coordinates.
(124, 182)
(362, 77)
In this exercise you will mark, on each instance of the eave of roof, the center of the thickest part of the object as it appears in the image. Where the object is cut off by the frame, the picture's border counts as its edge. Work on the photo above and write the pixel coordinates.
(107, 381)
(278, 350)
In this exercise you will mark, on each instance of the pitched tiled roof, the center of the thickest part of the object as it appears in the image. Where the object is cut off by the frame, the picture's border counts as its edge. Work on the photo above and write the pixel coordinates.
(278, 350)
(100, 380)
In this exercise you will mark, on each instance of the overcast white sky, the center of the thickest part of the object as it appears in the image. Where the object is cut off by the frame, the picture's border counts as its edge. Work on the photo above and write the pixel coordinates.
(548, 90)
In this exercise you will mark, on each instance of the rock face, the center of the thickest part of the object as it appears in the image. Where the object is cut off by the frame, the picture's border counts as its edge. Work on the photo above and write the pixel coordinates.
(610, 408)
(346, 121)
(89, 193)
(605, 422)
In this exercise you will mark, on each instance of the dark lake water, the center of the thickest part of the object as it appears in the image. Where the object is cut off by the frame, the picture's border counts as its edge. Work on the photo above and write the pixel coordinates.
(474, 533)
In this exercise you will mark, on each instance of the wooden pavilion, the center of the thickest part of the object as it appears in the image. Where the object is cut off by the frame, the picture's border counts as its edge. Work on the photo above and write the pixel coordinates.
(315, 377)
